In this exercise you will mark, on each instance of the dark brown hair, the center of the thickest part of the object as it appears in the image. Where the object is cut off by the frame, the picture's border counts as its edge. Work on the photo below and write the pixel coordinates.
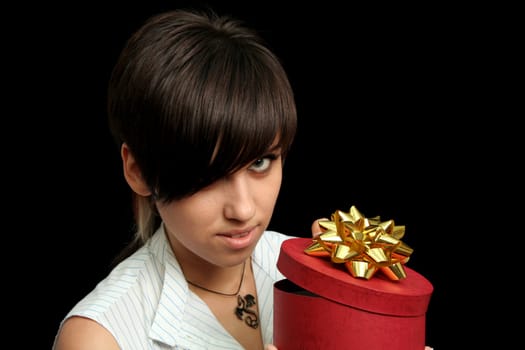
(197, 96)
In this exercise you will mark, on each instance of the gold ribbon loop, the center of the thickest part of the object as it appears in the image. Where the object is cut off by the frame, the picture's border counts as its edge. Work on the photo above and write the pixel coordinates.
(363, 245)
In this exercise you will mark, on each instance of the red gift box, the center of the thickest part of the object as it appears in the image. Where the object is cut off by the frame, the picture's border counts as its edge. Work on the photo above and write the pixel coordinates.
(322, 306)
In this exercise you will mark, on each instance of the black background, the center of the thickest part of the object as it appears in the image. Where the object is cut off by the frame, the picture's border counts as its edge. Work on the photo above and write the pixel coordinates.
(394, 117)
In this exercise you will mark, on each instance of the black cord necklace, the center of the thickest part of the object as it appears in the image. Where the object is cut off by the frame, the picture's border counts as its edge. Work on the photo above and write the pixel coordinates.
(244, 304)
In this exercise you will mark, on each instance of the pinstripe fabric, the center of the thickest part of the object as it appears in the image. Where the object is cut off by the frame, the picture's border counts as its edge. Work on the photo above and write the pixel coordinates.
(145, 301)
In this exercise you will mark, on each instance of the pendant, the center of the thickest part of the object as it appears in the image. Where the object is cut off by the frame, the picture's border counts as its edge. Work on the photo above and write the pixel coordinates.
(243, 311)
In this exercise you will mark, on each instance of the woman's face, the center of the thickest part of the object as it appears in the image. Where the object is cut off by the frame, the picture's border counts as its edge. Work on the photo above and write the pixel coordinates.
(222, 223)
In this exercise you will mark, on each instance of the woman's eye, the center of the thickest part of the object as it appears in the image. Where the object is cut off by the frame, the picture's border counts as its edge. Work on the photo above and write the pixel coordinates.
(263, 164)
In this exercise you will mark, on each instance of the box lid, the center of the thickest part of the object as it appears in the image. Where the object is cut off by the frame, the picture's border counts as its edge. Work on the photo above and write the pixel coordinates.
(409, 296)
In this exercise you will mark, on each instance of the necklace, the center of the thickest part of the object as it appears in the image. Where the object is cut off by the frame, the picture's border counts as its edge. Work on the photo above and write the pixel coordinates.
(244, 304)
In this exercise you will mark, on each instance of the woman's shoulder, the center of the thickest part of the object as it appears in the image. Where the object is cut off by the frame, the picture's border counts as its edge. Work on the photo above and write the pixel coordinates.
(137, 280)
(81, 333)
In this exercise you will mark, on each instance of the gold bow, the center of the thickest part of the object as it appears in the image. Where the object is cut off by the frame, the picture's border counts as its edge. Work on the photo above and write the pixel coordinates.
(364, 245)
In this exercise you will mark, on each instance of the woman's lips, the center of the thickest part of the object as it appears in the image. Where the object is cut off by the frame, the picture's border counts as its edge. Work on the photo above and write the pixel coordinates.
(239, 239)
(239, 235)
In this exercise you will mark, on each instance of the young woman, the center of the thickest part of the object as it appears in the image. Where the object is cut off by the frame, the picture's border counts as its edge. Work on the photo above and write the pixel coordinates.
(204, 116)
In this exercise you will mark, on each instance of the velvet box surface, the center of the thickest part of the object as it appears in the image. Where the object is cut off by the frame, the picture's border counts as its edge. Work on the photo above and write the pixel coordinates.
(322, 306)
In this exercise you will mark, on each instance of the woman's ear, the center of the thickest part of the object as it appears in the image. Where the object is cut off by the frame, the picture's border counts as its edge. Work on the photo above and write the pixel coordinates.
(132, 172)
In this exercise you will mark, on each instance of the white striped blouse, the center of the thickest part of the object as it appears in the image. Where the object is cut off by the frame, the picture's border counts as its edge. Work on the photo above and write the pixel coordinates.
(145, 301)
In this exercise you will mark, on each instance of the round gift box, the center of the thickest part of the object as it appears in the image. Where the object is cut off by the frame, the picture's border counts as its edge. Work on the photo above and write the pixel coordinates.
(322, 306)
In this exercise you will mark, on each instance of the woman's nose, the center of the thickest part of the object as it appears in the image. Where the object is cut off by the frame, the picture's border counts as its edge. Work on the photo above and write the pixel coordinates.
(239, 204)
